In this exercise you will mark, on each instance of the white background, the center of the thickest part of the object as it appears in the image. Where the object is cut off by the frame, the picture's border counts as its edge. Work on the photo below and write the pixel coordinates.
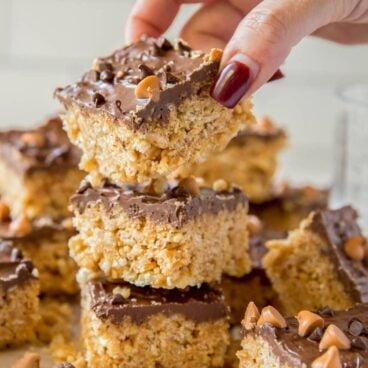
(48, 43)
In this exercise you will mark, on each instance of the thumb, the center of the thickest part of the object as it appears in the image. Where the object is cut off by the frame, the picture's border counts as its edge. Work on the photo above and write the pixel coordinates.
(262, 41)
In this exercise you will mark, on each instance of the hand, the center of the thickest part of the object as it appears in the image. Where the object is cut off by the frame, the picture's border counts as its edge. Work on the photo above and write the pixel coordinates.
(256, 35)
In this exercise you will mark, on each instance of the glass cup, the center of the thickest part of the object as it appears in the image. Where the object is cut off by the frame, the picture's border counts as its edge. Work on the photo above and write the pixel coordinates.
(351, 172)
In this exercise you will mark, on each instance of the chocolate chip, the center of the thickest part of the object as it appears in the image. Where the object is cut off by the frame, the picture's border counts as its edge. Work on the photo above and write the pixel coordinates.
(356, 327)
(156, 51)
(171, 79)
(359, 343)
(146, 71)
(316, 335)
(326, 312)
(164, 44)
(117, 299)
(105, 66)
(91, 76)
(98, 99)
(183, 48)
(107, 76)
(64, 365)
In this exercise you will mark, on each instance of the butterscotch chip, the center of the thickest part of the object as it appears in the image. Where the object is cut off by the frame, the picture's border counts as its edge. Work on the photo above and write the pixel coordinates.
(4, 212)
(330, 359)
(308, 322)
(333, 336)
(220, 185)
(191, 185)
(214, 55)
(29, 360)
(254, 225)
(149, 87)
(32, 139)
(20, 225)
(355, 248)
(272, 316)
(251, 316)
(266, 123)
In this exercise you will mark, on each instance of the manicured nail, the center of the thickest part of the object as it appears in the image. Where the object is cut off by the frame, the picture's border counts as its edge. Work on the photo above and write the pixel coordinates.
(234, 81)
(278, 75)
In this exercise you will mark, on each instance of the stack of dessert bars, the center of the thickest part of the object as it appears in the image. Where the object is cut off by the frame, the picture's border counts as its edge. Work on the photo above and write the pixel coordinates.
(39, 172)
(153, 248)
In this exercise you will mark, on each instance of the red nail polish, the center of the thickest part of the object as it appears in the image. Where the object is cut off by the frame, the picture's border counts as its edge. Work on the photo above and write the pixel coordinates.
(278, 75)
(232, 84)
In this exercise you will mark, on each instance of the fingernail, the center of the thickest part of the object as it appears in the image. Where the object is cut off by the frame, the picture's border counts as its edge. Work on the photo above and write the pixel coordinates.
(278, 75)
(234, 80)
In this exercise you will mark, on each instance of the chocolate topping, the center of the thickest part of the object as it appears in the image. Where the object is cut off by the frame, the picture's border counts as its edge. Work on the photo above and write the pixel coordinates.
(40, 227)
(291, 199)
(175, 206)
(14, 269)
(189, 75)
(53, 152)
(295, 350)
(336, 227)
(199, 305)
(257, 131)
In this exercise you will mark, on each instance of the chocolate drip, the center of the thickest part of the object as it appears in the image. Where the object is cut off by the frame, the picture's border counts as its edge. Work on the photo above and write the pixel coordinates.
(14, 270)
(54, 153)
(175, 206)
(197, 304)
(189, 75)
(336, 227)
(294, 350)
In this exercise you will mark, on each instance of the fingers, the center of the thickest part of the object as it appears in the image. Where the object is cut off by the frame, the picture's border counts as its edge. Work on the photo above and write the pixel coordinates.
(153, 17)
(214, 24)
(344, 33)
(261, 43)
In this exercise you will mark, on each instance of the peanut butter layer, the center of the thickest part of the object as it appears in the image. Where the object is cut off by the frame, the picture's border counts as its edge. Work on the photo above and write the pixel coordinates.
(116, 301)
(294, 350)
(175, 206)
(44, 148)
(110, 86)
(337, 227)
(14, 269)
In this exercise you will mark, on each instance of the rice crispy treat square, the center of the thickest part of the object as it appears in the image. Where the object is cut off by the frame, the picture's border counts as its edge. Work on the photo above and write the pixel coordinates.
(144, 110)
(38, 170)
(178, 238)
(128, 326)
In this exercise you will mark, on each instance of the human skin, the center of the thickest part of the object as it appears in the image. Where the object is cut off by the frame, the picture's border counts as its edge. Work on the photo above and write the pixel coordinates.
(256, 35)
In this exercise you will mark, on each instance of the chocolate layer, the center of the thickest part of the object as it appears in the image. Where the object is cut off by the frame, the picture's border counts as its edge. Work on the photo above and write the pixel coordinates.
(14, 269)
(336, 227)
(294, 350)
(51, 151)
(288, 198)
(175, 206)
(40, 227)
(199, 305)
(256, 131)
(110, 86)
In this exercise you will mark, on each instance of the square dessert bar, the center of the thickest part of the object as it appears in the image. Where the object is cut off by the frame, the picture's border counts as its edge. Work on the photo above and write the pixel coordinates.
(249, 160)
(322, 339)
(145, 110)
(39, 170)
(324, 260)
(182, 237)
(287, 206)
(19, 289)
(255, 286)
(45, 242)
(128, 326)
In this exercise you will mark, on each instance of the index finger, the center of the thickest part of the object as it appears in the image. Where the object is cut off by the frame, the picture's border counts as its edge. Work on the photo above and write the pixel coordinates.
(153, 17)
